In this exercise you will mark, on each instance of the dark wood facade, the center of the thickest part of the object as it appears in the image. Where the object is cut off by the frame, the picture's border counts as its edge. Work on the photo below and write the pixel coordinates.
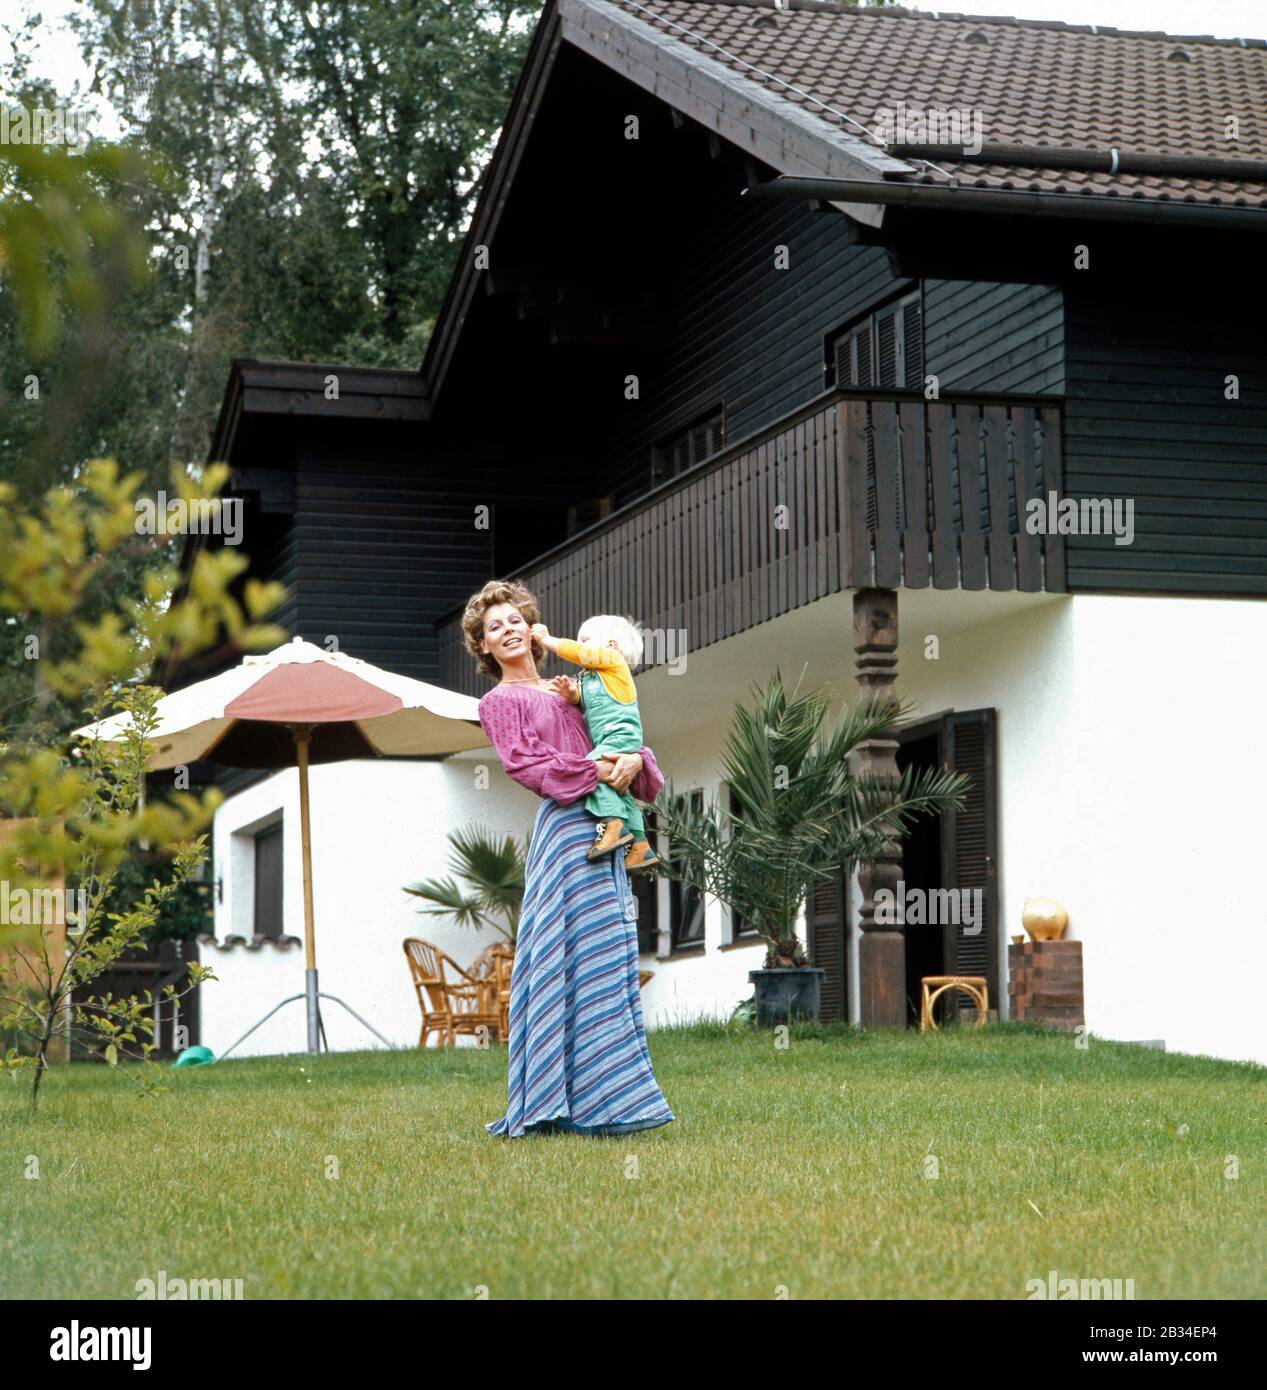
(853, 491)
(1148, 416)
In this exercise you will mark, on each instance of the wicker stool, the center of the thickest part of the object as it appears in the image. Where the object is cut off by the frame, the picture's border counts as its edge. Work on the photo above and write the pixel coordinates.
(933, 986)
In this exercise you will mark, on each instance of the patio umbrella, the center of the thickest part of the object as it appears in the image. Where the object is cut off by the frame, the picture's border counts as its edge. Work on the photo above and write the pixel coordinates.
(293, 707)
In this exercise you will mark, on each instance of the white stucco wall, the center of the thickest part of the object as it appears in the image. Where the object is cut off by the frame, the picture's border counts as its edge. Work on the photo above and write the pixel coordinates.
(1131, 757)
(1132, 754)
(375, 827)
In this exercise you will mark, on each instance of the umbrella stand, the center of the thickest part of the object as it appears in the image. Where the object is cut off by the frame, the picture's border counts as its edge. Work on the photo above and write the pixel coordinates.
(302, 734)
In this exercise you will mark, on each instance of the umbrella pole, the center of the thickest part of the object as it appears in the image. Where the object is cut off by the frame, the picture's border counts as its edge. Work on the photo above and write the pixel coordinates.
(303, 736)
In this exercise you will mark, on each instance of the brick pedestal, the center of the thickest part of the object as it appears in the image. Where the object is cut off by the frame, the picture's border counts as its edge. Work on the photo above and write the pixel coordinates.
(1045, 983)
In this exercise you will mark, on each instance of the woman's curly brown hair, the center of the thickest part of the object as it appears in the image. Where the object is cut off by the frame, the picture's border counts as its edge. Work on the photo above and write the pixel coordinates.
(494, 592)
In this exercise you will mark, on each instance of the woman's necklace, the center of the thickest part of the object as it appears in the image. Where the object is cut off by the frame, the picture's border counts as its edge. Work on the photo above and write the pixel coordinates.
(521, 680)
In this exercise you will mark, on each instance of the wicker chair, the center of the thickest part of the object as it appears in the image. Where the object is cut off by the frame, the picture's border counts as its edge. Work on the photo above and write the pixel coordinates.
(484, 966)
(494, 964)
(503, 965)
(452, 1000)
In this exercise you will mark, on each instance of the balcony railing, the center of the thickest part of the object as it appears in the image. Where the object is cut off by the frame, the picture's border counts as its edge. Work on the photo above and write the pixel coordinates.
(856, 489)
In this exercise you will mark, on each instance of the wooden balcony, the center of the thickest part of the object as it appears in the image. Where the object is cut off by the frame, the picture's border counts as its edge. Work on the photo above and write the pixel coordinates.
(858, 488)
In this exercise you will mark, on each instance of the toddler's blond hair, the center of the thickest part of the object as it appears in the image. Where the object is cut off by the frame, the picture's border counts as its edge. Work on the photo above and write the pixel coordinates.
(601, 629)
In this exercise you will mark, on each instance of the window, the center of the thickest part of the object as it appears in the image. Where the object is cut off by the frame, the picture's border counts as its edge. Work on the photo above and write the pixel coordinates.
(268, 883)
(588, 513)
(646, 890)
(686, 903)
(885, 349)
(740, 927)
(699, 440)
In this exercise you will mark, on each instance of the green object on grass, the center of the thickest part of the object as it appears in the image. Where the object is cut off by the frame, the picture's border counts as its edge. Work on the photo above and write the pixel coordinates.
(198, 1056)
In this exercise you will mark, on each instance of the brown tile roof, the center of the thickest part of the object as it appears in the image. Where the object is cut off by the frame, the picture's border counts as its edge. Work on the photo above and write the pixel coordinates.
(1034, 82)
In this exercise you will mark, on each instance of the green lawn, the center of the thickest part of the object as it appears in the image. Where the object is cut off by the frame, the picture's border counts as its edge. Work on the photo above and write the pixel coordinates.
(801, 1169)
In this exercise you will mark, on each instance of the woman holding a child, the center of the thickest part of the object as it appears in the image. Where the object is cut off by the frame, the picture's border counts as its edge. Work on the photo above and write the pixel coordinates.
(578, 1058)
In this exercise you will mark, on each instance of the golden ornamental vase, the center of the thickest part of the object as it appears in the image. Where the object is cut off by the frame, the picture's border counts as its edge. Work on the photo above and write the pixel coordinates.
(1044, 919)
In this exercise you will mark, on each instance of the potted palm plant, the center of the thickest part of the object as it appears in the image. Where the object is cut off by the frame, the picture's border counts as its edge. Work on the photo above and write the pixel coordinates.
(487, 886)
(801, 812)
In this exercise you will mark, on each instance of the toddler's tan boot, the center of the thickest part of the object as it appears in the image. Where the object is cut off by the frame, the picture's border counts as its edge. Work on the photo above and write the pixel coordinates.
(641, 857)
(609, 838)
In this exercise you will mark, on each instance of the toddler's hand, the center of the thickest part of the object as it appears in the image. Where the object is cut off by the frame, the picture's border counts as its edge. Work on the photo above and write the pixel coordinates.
(567, 687)
(539, 631)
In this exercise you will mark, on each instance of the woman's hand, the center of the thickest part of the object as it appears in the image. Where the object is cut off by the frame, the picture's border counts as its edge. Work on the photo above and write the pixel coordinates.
(622, 771)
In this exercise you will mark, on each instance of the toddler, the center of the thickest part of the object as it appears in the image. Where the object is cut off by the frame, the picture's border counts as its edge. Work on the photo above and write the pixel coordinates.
(605, 649)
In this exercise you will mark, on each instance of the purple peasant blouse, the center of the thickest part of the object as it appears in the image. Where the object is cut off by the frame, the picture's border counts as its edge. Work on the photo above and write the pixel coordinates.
(543, 744)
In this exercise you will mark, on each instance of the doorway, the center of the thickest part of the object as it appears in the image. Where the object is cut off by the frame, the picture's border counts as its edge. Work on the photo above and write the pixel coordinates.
(956, 852)
(922, 870)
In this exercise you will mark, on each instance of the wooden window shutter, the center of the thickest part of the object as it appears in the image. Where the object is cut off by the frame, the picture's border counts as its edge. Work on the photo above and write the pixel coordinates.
(863, 375)
(842, 360)
(268, 883)
(739, 925)
(851, 356)
(686, 901)
(913, 343)
(826, 929)
(690, 446)
(970, 846)
(587, 513)
(646, 891)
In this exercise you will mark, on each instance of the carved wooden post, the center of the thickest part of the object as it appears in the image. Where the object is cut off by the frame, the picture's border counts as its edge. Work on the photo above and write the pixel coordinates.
(881, 949)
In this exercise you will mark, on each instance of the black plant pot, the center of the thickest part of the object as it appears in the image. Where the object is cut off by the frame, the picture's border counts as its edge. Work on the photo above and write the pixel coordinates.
(782, 995)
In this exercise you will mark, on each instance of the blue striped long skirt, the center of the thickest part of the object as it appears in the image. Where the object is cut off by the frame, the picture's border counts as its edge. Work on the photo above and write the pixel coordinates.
(578, 1059)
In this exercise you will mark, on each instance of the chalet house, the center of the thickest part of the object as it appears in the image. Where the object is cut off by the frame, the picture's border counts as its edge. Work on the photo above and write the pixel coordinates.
(867, 344)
